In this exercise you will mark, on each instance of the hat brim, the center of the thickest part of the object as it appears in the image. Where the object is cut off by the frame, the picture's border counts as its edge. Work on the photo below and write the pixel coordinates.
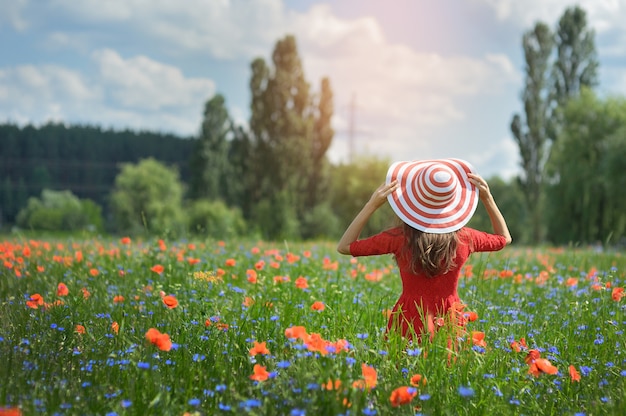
(416, 212)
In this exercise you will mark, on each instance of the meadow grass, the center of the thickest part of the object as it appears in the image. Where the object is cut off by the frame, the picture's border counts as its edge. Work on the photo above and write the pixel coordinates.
(81, 348)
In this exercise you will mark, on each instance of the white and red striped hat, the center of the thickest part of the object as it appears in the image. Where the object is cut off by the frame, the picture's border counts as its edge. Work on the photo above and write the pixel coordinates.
(434, 196)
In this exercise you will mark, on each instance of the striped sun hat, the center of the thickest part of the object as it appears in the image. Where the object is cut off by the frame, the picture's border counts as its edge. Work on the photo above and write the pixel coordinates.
(434, 196)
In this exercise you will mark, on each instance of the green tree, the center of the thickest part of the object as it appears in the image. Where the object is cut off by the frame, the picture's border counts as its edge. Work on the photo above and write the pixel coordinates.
(147, 196)
(530, 132)
(584, 198)
(576, 65)
(289, 137)
(209, 160)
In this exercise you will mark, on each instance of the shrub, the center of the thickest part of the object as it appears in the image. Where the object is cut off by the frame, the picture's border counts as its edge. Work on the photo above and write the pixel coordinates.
(147, 197)
(215, 219)
(60, 211)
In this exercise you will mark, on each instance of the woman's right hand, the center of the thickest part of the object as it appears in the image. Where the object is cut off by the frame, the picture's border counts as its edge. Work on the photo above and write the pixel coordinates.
(379, 197)
(483, 187)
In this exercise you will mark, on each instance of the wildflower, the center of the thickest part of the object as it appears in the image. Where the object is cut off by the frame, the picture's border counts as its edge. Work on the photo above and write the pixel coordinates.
(10, 411)
(466, 391)
(35, 301)
(170, 301)
(62, 289)
(231, 262)
(478, 339)
(416, 379)
(542, 365)
(617, 294)
(115, 327)
(296, 332)
(318, 306)
(471, 316)
(573, 373)
(157, 268)
(402, 395)
(259, 265)
(531, 356)
(94, 272)
(162, 341)
(248, 301)
(331, 385)
(302, 283)
(251, 275)
(118, 299)
(369, 375)
(259, 348)
(86, 293)
(125, 241)
(79, 329)
(260, 373)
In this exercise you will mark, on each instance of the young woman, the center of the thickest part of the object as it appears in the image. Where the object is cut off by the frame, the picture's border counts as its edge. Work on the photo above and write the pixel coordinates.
(434, 199)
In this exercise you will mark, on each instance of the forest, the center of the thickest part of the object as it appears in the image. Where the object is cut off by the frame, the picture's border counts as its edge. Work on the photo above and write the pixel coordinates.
(272, 178)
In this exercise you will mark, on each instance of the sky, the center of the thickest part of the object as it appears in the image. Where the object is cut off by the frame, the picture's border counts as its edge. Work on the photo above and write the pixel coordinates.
(417, 79)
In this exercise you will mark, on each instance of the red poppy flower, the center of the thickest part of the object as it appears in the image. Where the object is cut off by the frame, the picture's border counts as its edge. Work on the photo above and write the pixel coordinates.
(115, 327)
(80, 329)
(251, 275)
(125, 240)
(541, 365)
(331, 385)
(478, 338)
(118, 299)
(62, 290)
(10, 411)
(298, 332)
(369, 375)
(260, 373)
(302, 283)
(573, 373)
(402, 395)
(259, 348)
(162, 341)
(231, 262)
(318, 306)
(157, 268)
(35, 301)
(170, 301)
(617, 294)
(418, 379)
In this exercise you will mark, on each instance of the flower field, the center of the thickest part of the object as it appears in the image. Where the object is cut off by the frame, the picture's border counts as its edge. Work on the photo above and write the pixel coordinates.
(122, 327)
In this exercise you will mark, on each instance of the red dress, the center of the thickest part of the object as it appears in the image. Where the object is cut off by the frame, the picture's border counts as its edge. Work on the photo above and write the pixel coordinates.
(434, 296)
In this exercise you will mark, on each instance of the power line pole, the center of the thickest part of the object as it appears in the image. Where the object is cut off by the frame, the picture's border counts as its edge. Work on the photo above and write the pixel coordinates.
(351, 131)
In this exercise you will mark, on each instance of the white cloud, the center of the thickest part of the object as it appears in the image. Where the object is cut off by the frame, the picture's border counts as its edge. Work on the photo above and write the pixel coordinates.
(136, 93)
(602, 14)
(11, 12)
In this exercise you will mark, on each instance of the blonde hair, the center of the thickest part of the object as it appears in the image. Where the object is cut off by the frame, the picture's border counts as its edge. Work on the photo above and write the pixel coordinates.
(431, 254)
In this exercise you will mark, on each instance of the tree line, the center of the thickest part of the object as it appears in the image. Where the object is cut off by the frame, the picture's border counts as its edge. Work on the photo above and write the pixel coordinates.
(272, 179)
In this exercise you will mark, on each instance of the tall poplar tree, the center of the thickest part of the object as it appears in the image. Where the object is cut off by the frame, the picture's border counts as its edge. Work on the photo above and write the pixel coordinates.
(210, 158)
(530, 132)
(290, 137)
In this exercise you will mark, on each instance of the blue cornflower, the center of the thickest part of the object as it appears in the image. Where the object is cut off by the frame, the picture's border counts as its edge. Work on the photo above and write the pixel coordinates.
(369, 411)
(220, 387)
(283, 364)
(126, 403)
(584, 370)
(250, 403)
(362, 336)
(413, 352)
(143, 365)
(350, 360)
(479, 349)
(425, 396)
(297, 412)
(466, 391)
(514, 401)
(194, 402)
(224, 407)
